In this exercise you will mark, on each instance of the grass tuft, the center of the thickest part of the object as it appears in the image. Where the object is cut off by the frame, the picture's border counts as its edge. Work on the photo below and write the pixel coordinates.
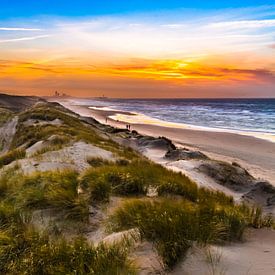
(5, 115)
(12, 156)
(34, 253)
(56, 190)
(97, 161)
(173, 225)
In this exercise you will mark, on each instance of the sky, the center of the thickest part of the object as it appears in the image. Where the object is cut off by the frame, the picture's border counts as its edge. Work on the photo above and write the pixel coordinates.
(133, 49)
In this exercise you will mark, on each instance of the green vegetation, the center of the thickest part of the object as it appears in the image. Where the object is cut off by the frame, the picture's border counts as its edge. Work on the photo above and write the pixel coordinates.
(55, 190)
(71, 129)
(97, 161)
(54, 144)
(12, 156)
(99, 190)
(48, 148)
(134, 178)
(5, 115)
(123, 179)
(8, 180)
(25, 250)
(35, 253)
(173, 225)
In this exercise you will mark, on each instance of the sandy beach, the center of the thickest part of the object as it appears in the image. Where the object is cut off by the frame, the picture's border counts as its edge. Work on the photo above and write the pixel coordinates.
(254, 154)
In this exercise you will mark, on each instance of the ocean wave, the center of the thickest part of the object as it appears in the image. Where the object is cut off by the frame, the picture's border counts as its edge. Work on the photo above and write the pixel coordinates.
(143, 119)
(247, 115)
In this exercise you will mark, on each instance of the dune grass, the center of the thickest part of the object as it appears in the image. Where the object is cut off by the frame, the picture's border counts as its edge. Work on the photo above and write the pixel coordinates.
(48, 148)
(55, 190)
(25, 250)
(173, 226)
(34, 253)
(12, 156)
(72, 129)
(55, 143)
(99, 191)
(182, 214)
(122, 179)
(97, 161)
(5, 115)
(134, 177)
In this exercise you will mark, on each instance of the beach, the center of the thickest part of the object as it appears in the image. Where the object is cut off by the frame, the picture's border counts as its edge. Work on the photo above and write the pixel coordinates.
(254, 154)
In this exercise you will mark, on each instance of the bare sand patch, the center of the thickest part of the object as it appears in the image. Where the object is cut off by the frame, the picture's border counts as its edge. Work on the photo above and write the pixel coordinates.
(71, 157)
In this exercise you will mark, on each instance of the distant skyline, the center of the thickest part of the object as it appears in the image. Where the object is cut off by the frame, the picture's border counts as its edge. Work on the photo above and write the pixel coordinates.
(137, 49)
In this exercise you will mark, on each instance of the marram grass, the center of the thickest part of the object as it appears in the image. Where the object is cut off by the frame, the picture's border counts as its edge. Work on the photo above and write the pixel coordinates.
(33, 252)
(11, 156)
(173, 225)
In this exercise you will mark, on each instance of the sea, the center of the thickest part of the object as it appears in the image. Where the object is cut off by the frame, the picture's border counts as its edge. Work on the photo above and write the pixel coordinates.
(248, 115)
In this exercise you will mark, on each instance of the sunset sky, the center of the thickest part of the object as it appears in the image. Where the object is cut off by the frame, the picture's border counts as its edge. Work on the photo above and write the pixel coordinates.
(138, 48)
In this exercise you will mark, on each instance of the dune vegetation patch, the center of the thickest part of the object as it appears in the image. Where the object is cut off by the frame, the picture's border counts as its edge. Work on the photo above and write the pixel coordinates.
(97, 161)
(5, 115)
(33, 252)
(54, 143)
(173, 226)
(55, 190)
(132, 178)
(26, 249)
(136, 176)
(11, 156)
(72, 129)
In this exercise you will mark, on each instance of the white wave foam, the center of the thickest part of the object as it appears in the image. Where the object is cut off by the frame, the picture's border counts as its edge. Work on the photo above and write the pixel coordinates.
(143, 119)
(103, 109)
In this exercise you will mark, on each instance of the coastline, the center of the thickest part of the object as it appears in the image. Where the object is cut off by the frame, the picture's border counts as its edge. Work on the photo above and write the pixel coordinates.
(135, 118)
(255, 154)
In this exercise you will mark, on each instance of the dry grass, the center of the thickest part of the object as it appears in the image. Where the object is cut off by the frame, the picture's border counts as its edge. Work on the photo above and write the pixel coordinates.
(12, 156)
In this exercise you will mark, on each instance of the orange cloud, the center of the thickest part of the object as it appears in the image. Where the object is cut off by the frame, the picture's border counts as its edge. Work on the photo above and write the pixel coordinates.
(178, 71)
